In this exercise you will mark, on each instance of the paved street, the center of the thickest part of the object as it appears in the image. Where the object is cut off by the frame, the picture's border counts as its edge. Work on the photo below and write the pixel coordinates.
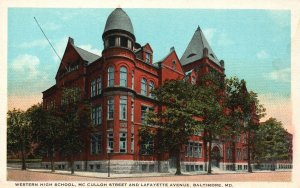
(19, 175)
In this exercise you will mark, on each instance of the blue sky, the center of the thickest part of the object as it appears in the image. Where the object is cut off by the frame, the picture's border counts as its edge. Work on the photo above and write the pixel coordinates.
(255, 44)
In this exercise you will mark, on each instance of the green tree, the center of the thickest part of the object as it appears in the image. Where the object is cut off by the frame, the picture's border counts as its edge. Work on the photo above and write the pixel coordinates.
(175, 116)
(18, 134)
(210, 108)
(234, 100)
(251, 111)
(271, 142)
(71, 142)
(47, 131)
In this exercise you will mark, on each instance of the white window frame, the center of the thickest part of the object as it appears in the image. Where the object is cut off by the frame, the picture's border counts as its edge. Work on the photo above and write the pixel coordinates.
(144, 86)
(96, 143)
(110, 108)
(123, 142)
(123, 76)
(110, 77)
(123, 108)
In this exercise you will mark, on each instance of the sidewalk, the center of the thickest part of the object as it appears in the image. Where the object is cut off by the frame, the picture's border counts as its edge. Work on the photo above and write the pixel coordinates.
(104, 175)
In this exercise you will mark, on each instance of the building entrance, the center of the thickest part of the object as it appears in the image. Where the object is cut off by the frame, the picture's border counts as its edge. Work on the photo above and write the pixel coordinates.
(215, 157)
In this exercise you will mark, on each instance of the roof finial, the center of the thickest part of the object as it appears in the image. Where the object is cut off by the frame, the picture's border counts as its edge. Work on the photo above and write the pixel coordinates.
(198, 28)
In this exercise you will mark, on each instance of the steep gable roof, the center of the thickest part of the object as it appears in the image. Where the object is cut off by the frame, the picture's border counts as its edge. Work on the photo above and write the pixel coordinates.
(194, 51)
(86, 55)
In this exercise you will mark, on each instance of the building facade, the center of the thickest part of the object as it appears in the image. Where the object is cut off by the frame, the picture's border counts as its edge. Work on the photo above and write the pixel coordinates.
(117, 84)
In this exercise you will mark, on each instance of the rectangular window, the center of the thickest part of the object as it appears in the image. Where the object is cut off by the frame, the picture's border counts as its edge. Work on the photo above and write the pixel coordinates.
(132, 143)
(96, 143)
(132, 110)
(99, 86)
(110, 142)
(197, 150)
(228, 153)
(143, 114)
(244, 138)
(97, 115)
(93, 88)
(144, 110)
(148, 58)
(123, 107)
(110, 106)
(245, 154)
(147, 147)
(123, 142)
(239, 154)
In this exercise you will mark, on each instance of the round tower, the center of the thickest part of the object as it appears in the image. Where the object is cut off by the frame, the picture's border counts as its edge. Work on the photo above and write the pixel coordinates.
(118, 31)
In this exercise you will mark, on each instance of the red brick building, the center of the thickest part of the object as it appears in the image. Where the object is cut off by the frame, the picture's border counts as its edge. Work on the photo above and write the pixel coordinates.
(118, 86)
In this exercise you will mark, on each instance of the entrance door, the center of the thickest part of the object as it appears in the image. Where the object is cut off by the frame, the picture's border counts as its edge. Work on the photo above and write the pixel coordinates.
(215, 157)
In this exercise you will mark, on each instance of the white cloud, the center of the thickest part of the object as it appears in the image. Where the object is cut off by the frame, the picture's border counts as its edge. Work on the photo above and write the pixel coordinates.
(262, 55)
(281, 75)
(41, 43)
(26, 64)
(89, 48)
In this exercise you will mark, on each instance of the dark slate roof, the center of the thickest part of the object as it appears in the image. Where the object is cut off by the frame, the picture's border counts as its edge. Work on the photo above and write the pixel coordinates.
(86, 55)
(194, 51)
(119, 20)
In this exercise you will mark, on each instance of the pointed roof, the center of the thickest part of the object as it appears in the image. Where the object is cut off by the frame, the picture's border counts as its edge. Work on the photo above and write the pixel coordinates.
(194, 51)
(118, 20)
(86, 55)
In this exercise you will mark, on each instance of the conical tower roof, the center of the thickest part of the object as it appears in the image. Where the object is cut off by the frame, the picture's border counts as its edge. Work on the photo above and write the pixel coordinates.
(118, 20)
(194, 51)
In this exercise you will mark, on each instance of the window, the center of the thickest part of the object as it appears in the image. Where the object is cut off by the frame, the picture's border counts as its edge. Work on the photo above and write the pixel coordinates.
(132, 80)
(96, 86)
(148, 58)
(228, 153)
(143, 114)
(123, 77)
(189, 151)
(111, 78)
(174, 65)
(132, 143)
(96, 143)
(97, 115)
(123, 107)
(93, 88)
(245, 154)
(197, 150)
(151, 87)
(132, 110)
(110, 105)
(110, 141)
(239, 154)
(99, 85)
(111, 41)
(124, 42)
(117, 41)
(123, 142)
(147, 147)
(144, 87)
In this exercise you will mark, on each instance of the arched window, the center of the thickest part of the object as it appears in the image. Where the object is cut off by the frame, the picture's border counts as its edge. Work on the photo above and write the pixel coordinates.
(123, 77)
(110, 77)
(151, 87)
(144, 87)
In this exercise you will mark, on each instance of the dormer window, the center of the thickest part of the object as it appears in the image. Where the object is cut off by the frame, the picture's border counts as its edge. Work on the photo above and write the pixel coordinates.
(147, 58)
(174, 65)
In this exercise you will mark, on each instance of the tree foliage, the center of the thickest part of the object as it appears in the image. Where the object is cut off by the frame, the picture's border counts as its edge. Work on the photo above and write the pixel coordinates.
(175, 116)
(18, 134)
(47, 131)
(271, 142)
